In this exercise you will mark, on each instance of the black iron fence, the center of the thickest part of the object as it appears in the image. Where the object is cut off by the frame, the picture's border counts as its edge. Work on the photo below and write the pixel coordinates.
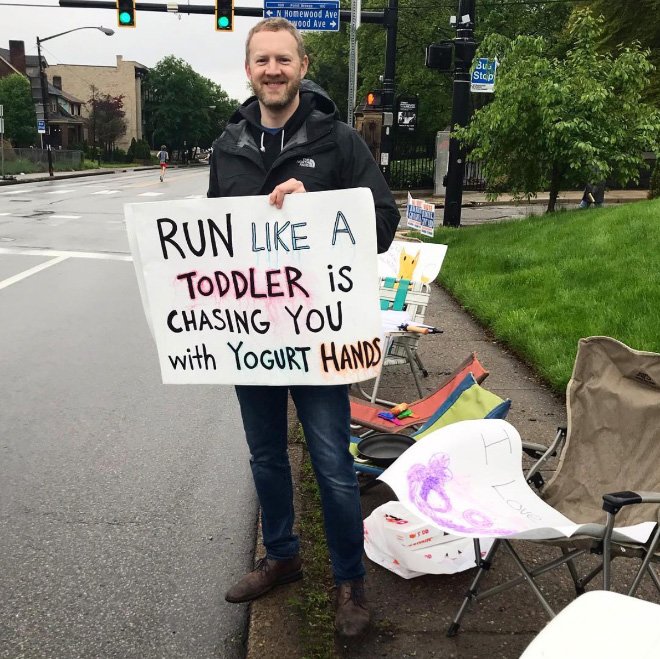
(413, 163)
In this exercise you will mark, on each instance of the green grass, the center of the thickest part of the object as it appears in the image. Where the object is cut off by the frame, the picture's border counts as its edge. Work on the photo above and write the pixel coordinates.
(23, 166)
(542, 283)
(314, 604)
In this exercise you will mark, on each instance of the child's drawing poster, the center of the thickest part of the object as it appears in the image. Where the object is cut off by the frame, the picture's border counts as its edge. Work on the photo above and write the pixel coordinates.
(467, 479)
(412, 261)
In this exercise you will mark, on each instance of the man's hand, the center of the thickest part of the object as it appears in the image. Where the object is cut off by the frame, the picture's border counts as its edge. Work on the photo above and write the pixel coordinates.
(291, 186)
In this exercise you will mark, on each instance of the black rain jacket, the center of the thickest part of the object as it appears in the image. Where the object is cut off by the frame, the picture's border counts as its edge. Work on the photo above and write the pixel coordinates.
(314, 147)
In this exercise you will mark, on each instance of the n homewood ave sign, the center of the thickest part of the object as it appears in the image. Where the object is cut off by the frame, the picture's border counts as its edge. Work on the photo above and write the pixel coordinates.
(312, 15)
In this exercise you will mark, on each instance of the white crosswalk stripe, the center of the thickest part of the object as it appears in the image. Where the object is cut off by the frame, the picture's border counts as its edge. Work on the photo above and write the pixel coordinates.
(196, 196)
(65, 217)
(150, 194)
(21, 190)
(4, 214)
(106, 192)
(60, 191)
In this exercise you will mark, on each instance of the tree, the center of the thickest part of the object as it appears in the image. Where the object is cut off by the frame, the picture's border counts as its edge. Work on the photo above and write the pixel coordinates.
(420, 24)
(183, 106)
(564, 122)
(625, 22)
(20, 117)
(107, 119)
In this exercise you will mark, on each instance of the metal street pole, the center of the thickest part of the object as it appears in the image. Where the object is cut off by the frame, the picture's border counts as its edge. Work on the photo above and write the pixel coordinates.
(44, 84)
(464, 49)
(391, 20)
(44, 104)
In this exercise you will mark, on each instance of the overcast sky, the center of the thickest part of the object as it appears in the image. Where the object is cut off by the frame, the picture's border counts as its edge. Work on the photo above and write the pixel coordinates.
(218, 56)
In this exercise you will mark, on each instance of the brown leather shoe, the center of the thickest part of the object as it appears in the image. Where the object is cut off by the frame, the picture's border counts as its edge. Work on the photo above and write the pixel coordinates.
(267, 574)
(352, 616)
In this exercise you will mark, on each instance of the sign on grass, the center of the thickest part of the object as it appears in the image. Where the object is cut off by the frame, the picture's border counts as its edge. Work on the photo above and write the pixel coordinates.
(420, 215)
(238, 292)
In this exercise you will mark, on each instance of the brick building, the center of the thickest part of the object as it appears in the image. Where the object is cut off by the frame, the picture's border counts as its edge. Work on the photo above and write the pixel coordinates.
(124, 79)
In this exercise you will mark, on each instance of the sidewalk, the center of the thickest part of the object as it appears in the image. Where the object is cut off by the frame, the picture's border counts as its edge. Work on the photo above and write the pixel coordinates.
(410, 618)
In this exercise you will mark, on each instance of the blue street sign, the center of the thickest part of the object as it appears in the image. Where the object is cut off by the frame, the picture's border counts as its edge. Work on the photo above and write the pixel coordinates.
(483, 76)
(312, 15)
(41, 126)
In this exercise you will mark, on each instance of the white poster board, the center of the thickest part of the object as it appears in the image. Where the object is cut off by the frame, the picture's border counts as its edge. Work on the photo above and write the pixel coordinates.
(238, 292)
(467, 479)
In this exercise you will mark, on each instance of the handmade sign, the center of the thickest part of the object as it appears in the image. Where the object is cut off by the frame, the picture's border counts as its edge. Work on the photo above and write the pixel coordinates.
(412, 261)
(420, 215)
(466, 478)
(238, 292)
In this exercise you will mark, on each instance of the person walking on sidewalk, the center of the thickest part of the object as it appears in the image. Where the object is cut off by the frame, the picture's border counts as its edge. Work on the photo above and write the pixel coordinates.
(288, 139)
(593, 194)
(163, 158)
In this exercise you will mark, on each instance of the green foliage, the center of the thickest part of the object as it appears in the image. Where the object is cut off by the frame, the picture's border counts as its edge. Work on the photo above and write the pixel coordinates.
(20, 117)
(638, 21)
(558, 122)
(419, 25)
(138, 151)
(184, 106)
(540, 284)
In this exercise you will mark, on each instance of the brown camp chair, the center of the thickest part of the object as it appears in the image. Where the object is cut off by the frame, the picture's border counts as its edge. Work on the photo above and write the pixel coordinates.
(610, 461)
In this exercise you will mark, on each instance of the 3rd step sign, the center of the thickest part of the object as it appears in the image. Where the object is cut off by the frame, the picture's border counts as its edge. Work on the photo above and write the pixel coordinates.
(483, 76)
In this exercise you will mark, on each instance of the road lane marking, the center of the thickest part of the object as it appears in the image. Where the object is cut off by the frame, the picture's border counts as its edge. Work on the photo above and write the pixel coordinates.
(106, 192)
(4, 214)
(60, 191)
(150, 194)
(28, 251)
(65, 217)
(18, 191)
(32, 271)
(196, 196)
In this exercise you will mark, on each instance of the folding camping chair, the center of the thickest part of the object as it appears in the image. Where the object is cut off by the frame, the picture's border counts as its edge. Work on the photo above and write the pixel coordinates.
(413, 298)
(364, 414)
(609, 461)
(469, 400)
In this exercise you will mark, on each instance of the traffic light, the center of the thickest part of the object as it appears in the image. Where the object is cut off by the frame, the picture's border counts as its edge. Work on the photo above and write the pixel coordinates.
(374, 99)
(126, 13)
(224, 15)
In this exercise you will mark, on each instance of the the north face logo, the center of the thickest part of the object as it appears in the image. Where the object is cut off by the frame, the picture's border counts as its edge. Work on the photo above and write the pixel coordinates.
(306, 162)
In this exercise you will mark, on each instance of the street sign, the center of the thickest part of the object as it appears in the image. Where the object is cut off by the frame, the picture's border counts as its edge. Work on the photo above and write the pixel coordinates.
(2, 110)
(2, 126)
(41, 126)
(483, 76)
(310, 15)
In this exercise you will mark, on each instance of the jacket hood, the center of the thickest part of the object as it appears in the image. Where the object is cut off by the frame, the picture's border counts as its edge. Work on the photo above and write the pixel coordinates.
(310, 93)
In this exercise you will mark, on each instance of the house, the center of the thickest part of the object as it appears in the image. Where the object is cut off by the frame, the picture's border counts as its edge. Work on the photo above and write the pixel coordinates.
(64, 110)
(123, 79)
(70, 86)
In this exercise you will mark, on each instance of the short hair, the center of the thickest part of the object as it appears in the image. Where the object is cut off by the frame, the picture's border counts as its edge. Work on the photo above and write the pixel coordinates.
(162, 146)
(275, 25)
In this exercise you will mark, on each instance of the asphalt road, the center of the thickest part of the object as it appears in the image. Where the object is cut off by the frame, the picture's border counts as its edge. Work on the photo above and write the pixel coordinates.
(126, 506)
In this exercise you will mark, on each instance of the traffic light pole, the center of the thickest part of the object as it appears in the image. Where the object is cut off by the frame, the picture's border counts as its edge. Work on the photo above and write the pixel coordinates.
(391, 20)
(374, 17)
(464, 49)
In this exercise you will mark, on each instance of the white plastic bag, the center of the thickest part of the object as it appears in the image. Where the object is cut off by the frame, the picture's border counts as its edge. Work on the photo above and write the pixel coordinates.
(409, 547)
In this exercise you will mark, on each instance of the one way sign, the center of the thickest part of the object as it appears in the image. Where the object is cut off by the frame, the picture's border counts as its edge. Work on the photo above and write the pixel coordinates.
(311, 15)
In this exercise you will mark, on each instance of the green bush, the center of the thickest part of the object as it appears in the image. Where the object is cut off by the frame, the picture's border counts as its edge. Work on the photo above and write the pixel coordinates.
(654, 185)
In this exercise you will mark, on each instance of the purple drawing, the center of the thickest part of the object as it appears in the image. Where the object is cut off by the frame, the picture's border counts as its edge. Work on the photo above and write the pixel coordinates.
(427, 491)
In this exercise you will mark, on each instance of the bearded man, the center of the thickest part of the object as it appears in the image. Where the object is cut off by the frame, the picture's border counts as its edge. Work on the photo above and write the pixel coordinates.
(287, 139)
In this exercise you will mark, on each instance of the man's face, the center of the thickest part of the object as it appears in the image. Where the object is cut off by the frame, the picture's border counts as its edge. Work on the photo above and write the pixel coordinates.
(275, 68)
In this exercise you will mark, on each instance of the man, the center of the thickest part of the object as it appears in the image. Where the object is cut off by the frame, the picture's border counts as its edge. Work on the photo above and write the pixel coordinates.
(288, 139)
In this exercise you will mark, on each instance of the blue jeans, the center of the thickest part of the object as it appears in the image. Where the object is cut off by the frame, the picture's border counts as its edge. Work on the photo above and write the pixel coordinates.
(324, 412)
